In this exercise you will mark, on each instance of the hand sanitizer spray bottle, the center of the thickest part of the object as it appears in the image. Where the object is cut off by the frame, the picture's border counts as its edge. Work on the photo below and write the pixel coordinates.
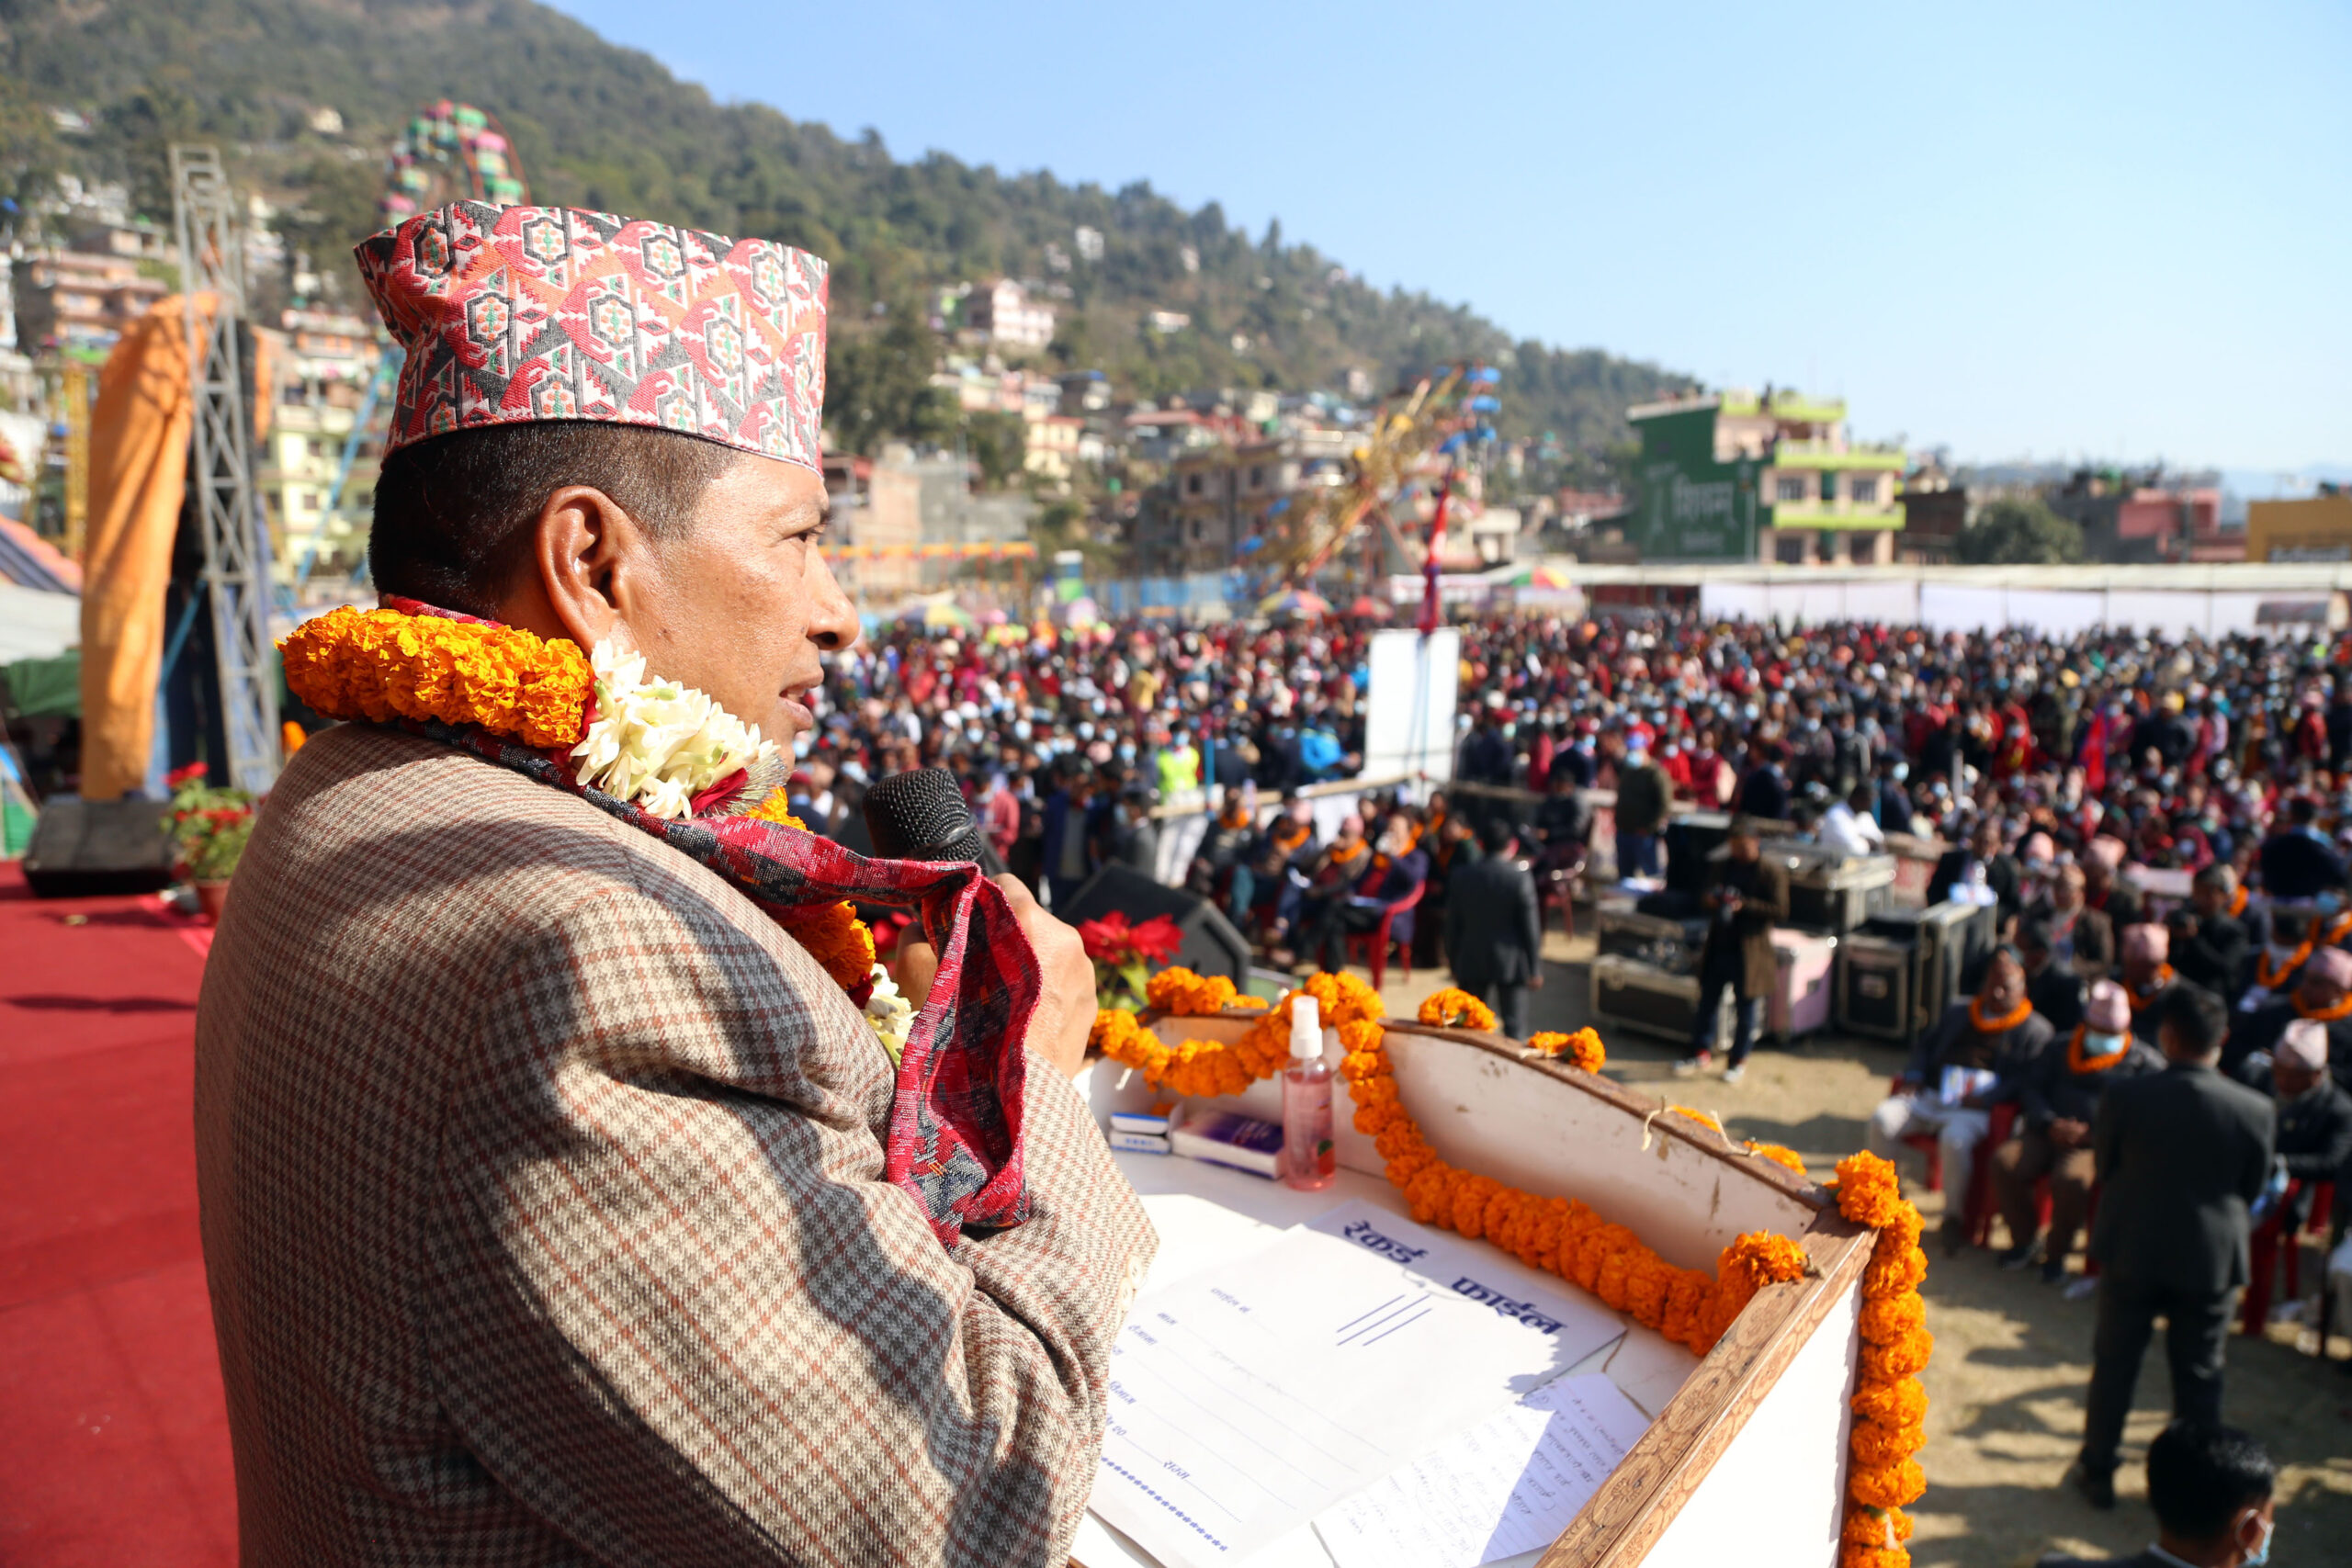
(1309, 1158)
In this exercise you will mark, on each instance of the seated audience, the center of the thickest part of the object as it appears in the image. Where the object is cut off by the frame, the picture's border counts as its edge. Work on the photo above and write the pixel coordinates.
(2314, 1114)
(2058, 1094)
(2321, 996)
(2081, 938)
(1394, 872)
(1952, 1077)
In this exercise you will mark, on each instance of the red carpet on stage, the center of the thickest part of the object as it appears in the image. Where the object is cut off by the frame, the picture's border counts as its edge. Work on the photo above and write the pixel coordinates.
(114, 1446)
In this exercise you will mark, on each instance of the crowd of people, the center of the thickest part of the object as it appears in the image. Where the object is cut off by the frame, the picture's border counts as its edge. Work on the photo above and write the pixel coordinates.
(2177, 1057)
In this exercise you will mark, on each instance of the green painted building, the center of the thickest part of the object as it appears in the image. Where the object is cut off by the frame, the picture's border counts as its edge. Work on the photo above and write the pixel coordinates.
(1735, 476)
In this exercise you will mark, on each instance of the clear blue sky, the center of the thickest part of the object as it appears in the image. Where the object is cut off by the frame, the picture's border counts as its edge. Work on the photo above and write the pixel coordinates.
(2045, 230)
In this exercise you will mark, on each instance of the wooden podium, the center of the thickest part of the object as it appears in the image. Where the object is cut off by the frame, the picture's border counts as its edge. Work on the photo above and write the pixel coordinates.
(1745, 1460)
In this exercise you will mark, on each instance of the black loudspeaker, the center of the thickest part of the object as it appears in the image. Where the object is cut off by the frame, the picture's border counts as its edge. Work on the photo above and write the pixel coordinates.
(81, 848)
(1690, 838)
(1211, 945)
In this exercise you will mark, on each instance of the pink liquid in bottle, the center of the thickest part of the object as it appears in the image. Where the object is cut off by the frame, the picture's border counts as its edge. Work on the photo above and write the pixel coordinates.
(1310, 1157)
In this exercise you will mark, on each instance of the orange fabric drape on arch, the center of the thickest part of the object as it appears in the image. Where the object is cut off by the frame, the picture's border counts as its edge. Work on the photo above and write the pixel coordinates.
(139, 439)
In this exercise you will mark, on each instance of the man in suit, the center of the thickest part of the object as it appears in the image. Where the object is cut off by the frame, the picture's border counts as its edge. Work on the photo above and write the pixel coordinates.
(2211, 1488)
(1494, 934)
(2180, 1155)
(554, 1192)
(1983, 851)
(2055, 989)
(2081, 939)
(2209, 948)
(1750, 894)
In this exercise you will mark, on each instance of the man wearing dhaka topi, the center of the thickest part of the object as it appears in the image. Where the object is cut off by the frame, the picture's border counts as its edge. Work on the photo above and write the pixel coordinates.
(575, 1187)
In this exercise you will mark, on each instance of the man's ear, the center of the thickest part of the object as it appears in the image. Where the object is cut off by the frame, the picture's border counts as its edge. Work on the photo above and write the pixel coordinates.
(590, 568)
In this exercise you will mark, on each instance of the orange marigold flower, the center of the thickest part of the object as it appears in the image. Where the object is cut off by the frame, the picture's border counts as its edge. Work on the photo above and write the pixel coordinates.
(1873, 1442)
(1890, 1318)
(1902, 1402)
(1180, 991)
(1886, 1486)
(1453, 1007)
(376, 664)
(1867, 1191)
(1582, 1049)
(1882, 1527)
(1902, 1358)
(1894, 1269)
(1701, 1117)
(1779, 1155)
(1763, 1257)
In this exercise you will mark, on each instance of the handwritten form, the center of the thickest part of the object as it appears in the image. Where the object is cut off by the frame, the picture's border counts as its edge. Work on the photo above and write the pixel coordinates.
(1250, 1399)
(1508, 1484)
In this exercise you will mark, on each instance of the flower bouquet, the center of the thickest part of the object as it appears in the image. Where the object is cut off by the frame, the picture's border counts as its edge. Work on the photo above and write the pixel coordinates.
(210, 829)
(1123, 954)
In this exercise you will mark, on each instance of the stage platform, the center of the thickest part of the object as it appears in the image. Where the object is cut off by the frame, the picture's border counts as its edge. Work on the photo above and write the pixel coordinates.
(113, 1437)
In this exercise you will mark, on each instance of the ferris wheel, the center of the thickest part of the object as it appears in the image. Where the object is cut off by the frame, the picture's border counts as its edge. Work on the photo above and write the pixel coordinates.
(450, 151)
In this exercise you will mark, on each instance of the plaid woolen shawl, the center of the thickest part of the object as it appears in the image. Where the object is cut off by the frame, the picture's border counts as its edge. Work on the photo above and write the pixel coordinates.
(953, 1142)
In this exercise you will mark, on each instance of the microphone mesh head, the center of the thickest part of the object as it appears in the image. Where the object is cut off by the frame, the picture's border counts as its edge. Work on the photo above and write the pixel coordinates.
(910, 812)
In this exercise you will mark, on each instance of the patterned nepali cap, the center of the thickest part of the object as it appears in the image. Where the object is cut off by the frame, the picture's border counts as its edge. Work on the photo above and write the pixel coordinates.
(511, 314)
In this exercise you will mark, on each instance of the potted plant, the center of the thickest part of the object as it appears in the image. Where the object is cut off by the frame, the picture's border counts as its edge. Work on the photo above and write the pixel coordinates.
(1123, 954)
(209, 828)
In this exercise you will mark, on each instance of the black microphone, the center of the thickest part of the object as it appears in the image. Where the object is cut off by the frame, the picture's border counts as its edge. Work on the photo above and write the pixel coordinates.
(921, 815)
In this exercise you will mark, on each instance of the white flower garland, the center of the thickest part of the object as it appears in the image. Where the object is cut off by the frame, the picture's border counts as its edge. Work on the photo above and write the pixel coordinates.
(889, 1014)
(656, 742)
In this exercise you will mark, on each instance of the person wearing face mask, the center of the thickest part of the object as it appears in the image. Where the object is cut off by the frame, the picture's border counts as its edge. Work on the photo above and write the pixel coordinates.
(2181, 1156)
(2314, 1113)
(2058, 1094)
(2321, 998)
(2212, 1489)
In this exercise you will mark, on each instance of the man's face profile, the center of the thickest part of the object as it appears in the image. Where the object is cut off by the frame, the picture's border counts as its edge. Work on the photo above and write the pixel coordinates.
(743, 602)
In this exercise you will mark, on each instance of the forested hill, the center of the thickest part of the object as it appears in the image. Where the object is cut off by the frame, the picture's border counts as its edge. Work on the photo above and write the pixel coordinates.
(599, 126)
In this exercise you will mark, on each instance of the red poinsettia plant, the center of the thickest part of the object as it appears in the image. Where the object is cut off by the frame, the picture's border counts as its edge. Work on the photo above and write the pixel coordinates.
(209, 826)
(1124, 954)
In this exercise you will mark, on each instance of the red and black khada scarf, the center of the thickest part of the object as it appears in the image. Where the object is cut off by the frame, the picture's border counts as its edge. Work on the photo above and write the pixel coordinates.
(954, 1139)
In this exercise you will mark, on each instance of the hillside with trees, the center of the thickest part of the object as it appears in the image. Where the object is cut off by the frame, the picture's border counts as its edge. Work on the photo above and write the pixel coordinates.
(599, 126)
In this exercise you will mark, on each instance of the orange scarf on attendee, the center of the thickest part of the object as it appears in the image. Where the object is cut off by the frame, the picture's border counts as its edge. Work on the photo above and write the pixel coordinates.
(1288, 835)
(2078, 1063)
(2002, 1025)
(2270, 979)
(2155, 988)
(2238, 903)
(2325, 1015)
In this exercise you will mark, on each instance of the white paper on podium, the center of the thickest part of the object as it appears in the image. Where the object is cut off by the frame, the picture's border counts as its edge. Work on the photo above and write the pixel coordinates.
(1252, 1397)
(1509, 1485)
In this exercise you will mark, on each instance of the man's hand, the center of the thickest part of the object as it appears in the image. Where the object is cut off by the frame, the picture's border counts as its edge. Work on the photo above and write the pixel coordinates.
(1065, 1014)
(1535, 981)
(2069, 1134)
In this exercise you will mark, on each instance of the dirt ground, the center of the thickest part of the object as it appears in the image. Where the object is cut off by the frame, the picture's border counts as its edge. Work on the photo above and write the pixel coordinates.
(2012, 1355)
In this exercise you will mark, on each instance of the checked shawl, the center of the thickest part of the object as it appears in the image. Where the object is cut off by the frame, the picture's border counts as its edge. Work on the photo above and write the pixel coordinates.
(954, 1142)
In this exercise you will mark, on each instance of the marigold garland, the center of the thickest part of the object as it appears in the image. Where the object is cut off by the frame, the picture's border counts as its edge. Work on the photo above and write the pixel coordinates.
(832, 933)
(1582, 1049)
(1889, 1403)
(1566, 1237)
(1455, 1008)
(382, 664)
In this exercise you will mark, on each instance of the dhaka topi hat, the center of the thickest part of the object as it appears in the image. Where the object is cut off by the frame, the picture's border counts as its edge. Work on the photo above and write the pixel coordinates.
(2109, 1012)
(2303, 1046)
(2148, 944)
(2332, 965)
(512, 315)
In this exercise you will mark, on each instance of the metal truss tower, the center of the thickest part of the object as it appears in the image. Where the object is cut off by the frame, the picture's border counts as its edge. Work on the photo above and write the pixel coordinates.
(219, 472)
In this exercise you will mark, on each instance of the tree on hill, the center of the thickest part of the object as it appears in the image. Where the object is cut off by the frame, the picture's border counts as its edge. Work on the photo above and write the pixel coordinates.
(2019, 533)
(596, 125)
